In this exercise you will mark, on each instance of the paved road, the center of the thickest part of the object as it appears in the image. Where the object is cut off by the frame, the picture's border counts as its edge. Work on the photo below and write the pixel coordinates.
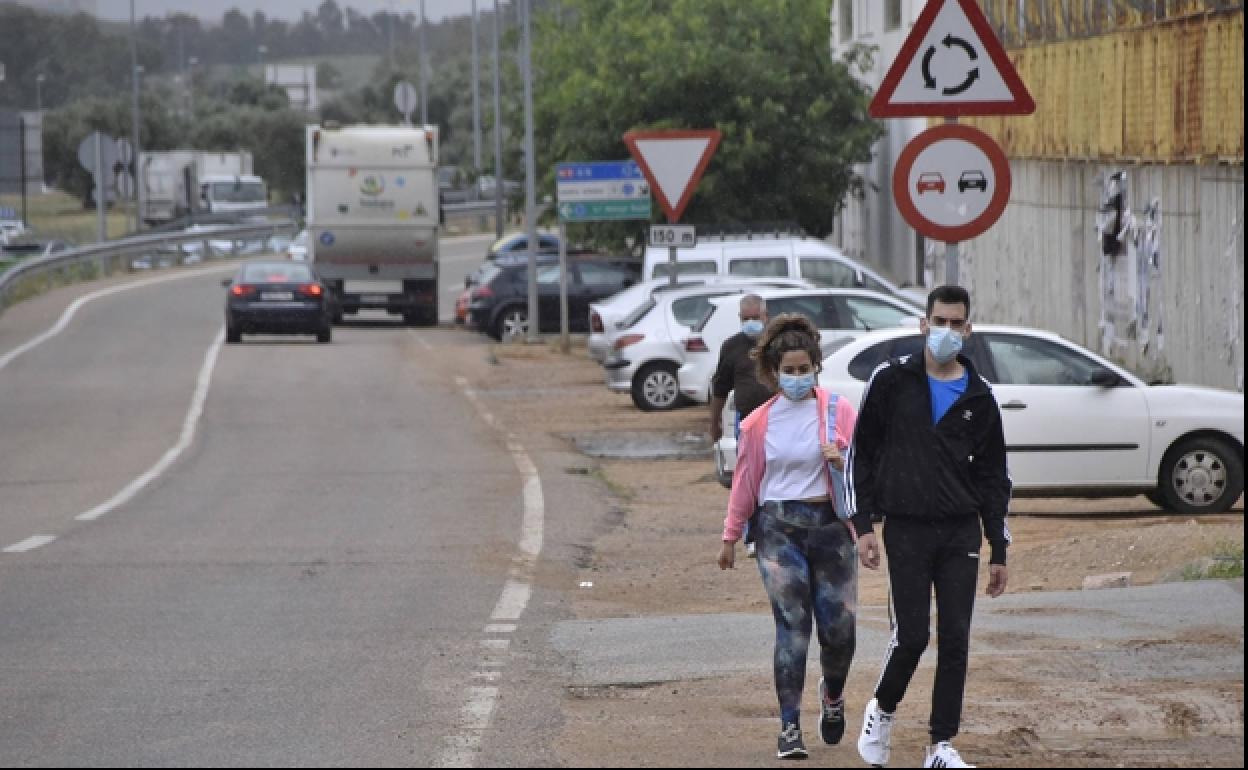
(309, 581)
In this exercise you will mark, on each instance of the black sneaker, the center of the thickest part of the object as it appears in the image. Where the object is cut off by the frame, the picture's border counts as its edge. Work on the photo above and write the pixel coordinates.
(789, 745)
(832, 721)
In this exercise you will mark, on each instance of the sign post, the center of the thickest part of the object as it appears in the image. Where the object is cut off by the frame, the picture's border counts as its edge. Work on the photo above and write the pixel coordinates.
(951, 64)
(96, 154)
(405, 97)
(600, 191)
(674, 162)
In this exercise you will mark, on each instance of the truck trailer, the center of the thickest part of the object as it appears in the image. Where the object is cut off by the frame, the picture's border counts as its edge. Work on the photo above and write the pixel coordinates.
(372, 218)
(178, 183)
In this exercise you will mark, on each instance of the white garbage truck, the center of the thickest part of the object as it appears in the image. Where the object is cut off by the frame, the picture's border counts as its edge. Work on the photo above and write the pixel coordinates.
(178, 183)
(373, 216)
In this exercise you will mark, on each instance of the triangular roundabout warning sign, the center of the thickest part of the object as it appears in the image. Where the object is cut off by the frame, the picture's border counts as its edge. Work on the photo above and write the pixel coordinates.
(673, 162)
(950, 65)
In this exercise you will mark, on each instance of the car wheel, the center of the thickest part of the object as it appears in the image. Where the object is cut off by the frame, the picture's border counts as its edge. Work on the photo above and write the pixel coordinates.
(1201, 475)
(512, 324)
(325, 334)
(232, 335)
(656, 387)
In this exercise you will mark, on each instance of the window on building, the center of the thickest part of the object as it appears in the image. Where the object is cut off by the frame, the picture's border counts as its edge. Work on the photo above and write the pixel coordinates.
(845, 20)
(892, 14)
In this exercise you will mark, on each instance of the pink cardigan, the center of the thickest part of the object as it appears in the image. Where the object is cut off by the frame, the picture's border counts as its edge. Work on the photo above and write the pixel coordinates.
(747, 477)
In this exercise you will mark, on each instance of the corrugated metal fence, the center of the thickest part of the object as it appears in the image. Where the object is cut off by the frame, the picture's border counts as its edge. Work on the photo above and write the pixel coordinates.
(1169, 91)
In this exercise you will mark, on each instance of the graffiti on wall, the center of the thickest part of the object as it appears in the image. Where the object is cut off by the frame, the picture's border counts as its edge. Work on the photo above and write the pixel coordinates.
(1130, 271)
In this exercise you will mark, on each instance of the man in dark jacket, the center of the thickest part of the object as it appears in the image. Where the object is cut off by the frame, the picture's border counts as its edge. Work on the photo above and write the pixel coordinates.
(928, 457)
(736, 372)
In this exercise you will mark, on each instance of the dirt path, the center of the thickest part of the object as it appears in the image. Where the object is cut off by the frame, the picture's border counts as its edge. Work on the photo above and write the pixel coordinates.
(1032, 709)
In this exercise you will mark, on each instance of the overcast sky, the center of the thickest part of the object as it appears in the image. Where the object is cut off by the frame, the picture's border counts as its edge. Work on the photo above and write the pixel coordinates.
(286, 9)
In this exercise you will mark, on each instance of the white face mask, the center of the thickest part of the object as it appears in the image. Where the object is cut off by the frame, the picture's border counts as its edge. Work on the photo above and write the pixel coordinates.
(943, 343)
(752, 328)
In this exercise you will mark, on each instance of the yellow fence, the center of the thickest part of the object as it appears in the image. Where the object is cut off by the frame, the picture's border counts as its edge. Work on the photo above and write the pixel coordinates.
(1023, 22)
(1165, 92)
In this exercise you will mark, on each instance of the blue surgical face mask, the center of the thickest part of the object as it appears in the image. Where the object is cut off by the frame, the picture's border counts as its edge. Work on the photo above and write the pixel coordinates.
(752, 327)
(943, 343)
(797, 386)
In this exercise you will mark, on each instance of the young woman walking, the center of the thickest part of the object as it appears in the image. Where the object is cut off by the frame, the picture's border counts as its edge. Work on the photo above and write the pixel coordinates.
(789, 458)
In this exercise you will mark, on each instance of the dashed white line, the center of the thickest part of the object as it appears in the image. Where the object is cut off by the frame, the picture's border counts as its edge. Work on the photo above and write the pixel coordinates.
(30, 544)
(188, 435)
(462, 747)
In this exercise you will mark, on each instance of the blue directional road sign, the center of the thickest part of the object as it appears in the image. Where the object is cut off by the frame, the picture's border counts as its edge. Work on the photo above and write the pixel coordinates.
(602, 191)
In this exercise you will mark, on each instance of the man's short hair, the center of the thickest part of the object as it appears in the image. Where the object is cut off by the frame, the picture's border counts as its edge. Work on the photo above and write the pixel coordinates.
(950, 295)
(753, 299)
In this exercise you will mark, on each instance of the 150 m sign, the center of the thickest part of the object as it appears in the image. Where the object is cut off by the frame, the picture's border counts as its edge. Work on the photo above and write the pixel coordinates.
(679, 236)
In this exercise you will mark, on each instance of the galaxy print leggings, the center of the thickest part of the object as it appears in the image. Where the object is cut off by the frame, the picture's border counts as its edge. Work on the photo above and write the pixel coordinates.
(809, 565)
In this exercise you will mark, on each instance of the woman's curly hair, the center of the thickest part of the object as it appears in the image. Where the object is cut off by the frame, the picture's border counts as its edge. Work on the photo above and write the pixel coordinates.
(785, 333)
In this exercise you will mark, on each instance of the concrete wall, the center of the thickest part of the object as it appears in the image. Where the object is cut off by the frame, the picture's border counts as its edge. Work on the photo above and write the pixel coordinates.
(1181, 319)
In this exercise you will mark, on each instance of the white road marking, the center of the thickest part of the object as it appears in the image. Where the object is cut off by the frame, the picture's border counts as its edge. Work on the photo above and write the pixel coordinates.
(188, 435)
(462, 747)
(30, 544)
(70, 311)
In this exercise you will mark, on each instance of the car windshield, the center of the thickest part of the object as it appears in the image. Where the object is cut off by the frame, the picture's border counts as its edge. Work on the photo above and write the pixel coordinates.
(276, 273)
(238, 192)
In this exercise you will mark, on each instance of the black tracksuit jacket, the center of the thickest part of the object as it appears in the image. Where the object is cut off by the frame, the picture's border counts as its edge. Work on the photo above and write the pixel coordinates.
(900, 465)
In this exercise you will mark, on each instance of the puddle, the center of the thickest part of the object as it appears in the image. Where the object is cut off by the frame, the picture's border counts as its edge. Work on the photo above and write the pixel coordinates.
(643, 446)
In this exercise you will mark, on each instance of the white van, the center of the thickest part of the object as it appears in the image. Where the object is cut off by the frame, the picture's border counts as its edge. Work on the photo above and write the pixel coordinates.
(770, 256)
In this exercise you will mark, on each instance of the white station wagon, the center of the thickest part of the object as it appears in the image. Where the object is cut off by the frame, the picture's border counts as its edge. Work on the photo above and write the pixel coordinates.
(1076, 425)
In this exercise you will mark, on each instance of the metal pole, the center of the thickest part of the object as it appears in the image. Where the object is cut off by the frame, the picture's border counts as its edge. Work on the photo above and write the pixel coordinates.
(476, 95)
(530, 174)
(21, 161)
(951, 249)
(424, 67)
(671, 265)
(564, 344)
(499, 189)
(101, 202)
(140, 194)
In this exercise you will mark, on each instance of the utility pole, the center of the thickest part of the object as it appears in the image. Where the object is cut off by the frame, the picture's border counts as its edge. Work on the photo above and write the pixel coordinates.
(499, 188)
(530, 172)
(424, 70)
(140, 195)
(476, 96)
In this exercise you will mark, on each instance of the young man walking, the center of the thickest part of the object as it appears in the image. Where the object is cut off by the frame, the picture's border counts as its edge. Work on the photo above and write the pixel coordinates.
(737, 373)
(928, 457)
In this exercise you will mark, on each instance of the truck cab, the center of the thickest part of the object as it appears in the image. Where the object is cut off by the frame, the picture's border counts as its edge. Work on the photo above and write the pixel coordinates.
(241, 192)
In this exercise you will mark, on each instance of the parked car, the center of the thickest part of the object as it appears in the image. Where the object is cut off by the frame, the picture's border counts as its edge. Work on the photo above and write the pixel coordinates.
(499, 303)
(518, 243)
(608, 317)
(647, 353)
(520, 259)
(766, 256)
(277, 297)
(837, 313)
(1076, 424)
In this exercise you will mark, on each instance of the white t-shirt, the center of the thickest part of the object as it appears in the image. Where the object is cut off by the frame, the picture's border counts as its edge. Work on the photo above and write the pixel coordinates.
(794, 458)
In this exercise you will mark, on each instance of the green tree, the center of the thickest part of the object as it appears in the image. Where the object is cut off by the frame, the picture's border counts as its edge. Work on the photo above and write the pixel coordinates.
(793, 119)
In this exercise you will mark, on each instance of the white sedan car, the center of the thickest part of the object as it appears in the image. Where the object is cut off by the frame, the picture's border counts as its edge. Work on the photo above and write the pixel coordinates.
(836, 312)
(1076, 425)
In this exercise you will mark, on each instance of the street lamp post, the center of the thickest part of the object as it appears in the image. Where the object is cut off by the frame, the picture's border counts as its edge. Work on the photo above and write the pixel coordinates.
(499, 188)
(190, 85)
(135, 71)
(476, 97)
(261, 50)
(424, 67)
(530, 171)
(39, 94)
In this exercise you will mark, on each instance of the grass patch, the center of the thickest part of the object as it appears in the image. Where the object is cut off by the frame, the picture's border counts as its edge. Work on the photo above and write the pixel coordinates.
(60, 215)
(1227, 562)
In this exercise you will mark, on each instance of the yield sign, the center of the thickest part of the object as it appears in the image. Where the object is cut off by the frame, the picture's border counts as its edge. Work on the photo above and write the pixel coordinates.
(673, 162)
(951, 64)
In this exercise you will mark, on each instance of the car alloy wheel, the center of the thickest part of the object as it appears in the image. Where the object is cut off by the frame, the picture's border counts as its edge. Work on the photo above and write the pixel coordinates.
(656, 388)
(1202, 475)
(514, 325)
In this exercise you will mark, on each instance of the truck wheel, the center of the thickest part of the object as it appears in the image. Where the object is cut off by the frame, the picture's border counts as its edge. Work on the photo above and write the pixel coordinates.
(1201, 475)
(512, 324)
(656, 387)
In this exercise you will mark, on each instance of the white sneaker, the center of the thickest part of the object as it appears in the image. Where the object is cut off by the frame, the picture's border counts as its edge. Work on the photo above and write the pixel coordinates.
(751, 551)
(944, 754)
(876, 736)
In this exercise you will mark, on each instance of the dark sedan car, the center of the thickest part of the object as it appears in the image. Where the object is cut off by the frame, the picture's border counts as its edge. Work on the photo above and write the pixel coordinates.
(499, 303)
(277, 298)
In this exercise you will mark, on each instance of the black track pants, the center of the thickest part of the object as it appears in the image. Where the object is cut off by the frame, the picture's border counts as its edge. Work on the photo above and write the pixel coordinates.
(923, 555)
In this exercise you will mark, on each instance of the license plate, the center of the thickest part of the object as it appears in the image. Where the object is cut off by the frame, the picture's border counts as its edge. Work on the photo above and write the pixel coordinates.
(277, 296)
(375, 299)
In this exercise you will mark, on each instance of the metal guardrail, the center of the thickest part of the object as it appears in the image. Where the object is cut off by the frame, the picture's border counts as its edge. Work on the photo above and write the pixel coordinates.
(284, 211)
(136, 252)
